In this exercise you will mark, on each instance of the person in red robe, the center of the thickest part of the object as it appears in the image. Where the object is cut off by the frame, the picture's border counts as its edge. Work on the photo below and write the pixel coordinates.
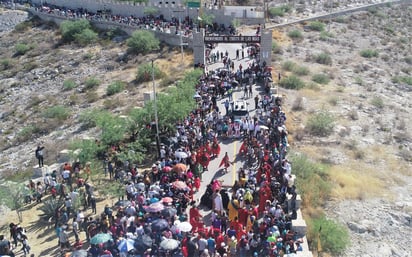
(225, 162)
(243, 214)
(204, 158)
(196, 183)
(243, 148)
(194, 214)
(263, 196)
(237, 226)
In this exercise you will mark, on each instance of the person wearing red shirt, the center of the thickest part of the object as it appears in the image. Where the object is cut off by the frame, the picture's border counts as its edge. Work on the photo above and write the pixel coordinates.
(243, 214)
(237, 226)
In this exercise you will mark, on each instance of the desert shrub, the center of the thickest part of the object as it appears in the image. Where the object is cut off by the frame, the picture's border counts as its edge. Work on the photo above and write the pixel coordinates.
(5, 64)
(276, 48)
(334, 237)
(85, 37)
(295, 34)
(359, 81)
(316, 25)
(298, 104)
(408, 59)
(369, 53)
(31, 65)
(321, 123)
(71, 29)
(23, 26)
(324, 35)
(323, 58)
(301, 70)
(21, 48)
(27, 133)
(333, 100)
(311, 179)
(58, 112)
(377, 102)
(279, 11)
(292, 82)
(288, 65)
(69, 84)
(91, 82)
(145, 72)
(91, 96)
(115, 87)
(402, 79)
(321, 78)
(143, 42)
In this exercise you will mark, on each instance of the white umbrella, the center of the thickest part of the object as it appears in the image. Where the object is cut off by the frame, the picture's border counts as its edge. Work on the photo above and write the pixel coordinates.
(169, 244)
(264, 127)
(126, 245)
(184, 226)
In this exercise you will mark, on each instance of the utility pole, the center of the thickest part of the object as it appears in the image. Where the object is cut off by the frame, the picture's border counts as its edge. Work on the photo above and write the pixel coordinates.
(155, 111)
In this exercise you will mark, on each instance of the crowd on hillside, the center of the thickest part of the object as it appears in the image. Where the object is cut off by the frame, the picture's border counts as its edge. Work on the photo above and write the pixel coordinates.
(150, 22)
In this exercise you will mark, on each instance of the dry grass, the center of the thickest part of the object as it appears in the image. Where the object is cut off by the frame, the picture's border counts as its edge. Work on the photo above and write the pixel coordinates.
(354, 184)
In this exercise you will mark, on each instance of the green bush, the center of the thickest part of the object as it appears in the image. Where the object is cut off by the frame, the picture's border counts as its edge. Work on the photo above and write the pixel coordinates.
(21, 48)
(276, 48)
(91, 82)
(279, 11)
(323, 58)
(5, 64)
(321, 78)
(312, 180)
(145, 72)
(295, 34)
(71, 29)
(292, 82)
(115, 87)
(377, 102)
(317, 26)
(402, 79)
(334, 237)
(320, 124)
(23, 26)
(324, 35)
(143, 42)
(369, 53)
(288, 65)
(85, 37)
(69, 84)
(57, 112)
(27, 133)
(301, 70)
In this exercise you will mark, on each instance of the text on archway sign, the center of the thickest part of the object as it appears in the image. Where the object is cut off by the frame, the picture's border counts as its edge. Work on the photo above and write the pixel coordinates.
(232, 39)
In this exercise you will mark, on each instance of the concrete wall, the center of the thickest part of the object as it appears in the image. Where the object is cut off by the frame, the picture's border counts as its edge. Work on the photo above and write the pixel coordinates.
(169, 37)
(169, 10)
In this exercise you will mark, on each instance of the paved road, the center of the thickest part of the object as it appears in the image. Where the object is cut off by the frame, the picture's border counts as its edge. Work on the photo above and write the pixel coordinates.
(230, 145)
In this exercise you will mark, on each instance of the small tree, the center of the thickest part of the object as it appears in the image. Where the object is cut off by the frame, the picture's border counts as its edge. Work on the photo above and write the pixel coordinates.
(115, 87)
(69, 29)
(292, 82)
(144, 72)
(85, 37)
(21, 48)
(321, 124)
(143, 42)
(150, 10)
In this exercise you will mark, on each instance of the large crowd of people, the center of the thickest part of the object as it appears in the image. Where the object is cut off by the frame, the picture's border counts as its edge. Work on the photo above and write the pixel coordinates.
(159, 210)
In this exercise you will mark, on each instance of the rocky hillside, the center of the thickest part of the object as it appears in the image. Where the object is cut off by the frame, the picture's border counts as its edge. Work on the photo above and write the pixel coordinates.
(357, 68)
